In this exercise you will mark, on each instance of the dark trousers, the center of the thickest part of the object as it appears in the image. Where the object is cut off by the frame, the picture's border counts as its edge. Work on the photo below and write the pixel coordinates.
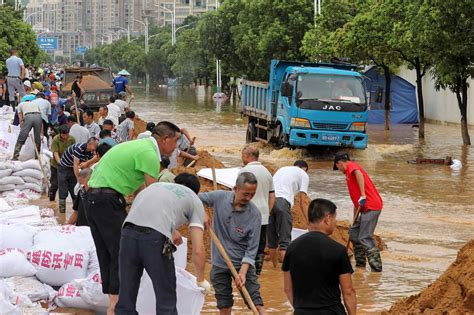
(106, 213)
(31, 121)
(45, 128)
(53, 188)
(280, 224)
(261, 250)
(143, 250)
(66, 182)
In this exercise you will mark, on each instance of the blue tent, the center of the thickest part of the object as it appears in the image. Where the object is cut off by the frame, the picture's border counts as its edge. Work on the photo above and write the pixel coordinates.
(404, 109)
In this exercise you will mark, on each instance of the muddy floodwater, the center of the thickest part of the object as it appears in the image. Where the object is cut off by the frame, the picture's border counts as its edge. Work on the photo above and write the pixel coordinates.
(428, 209)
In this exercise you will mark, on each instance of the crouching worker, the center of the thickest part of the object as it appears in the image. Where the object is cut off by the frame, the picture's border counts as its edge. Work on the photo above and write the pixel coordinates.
(79, 216)
(237, 223)
(146, 242)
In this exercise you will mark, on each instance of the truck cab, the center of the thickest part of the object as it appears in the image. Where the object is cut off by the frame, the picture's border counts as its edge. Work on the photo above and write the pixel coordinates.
(323, 106)
(307, 104)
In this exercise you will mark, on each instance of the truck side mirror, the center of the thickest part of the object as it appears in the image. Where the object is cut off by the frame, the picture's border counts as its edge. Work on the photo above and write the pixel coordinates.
(287, 89)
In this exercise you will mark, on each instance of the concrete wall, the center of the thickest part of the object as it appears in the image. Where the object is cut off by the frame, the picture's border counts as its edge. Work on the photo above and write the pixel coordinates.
(441, 106)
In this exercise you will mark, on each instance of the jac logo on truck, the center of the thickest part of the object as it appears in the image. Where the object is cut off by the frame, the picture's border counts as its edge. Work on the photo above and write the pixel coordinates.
(331, 107)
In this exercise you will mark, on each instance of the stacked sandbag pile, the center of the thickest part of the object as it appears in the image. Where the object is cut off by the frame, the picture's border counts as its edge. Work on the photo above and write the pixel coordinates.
(58, 264)
(24, 176)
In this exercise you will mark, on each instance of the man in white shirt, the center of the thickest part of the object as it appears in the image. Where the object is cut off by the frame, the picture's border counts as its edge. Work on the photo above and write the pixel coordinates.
(79, 133)
(29, 116)
(90, 124)
(121, 102)
(45, 108)
(114, 111)
(288, 181)
(264, 198)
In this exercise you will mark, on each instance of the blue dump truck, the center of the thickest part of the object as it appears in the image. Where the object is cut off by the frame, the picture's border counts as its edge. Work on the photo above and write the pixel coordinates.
(307, 104)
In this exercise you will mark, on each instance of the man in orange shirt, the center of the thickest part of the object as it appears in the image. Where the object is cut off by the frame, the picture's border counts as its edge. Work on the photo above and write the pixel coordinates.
(364, 196)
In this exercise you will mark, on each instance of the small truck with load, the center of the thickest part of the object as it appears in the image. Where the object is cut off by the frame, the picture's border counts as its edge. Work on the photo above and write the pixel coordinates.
(307, 104)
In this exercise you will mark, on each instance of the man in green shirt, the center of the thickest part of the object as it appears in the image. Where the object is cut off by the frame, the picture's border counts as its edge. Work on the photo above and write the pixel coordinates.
(122, 171)
(59, 145)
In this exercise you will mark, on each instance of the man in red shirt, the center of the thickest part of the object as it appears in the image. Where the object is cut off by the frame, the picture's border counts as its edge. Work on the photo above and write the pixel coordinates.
(365, 196)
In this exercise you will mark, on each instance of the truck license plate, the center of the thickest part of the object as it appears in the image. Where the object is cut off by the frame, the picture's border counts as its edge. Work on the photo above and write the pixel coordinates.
(329, 138)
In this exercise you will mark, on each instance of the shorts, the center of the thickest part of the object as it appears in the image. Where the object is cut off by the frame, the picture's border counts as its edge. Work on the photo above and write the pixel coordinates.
(221, 279)
(279, 225)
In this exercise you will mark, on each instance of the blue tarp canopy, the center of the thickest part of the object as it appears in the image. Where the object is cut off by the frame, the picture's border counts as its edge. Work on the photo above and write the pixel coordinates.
(404, 109)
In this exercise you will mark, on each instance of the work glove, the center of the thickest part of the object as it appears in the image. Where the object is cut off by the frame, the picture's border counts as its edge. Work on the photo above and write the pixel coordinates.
(362, 201)
(205, 285)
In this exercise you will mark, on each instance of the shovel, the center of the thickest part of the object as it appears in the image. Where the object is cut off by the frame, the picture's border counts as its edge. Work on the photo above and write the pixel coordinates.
(356, 218)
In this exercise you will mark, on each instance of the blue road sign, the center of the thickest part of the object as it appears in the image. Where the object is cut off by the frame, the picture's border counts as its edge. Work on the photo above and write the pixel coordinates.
(48, 43)
(81, 50)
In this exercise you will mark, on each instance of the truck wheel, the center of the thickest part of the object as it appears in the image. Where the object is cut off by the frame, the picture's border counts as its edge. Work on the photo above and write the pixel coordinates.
(250, 133)
(282, 139)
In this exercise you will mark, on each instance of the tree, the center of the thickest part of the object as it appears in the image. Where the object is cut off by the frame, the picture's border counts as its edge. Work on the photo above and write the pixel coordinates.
(454, 38)
(16, 33)
(410, 37)
(364, 40)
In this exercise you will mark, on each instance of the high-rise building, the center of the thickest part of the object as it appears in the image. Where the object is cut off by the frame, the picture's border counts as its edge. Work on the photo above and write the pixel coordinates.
(88, 23)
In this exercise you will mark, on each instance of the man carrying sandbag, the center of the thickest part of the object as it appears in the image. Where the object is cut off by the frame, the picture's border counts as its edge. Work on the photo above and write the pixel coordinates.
(122, 171)
(149, 239)
(29, 116)
(77, 156)
(59, 145)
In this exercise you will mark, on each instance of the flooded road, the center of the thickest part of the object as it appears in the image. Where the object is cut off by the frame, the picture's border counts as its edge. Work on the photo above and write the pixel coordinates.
(428, 209)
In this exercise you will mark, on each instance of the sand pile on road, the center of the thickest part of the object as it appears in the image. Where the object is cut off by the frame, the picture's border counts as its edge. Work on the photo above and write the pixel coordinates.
(452, 293)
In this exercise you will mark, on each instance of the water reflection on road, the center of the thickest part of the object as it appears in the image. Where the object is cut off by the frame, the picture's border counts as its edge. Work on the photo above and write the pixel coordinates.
(428, 212)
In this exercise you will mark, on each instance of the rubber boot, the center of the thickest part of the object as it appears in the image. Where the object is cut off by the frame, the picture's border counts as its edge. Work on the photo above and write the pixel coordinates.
(375, 261)
(62, 206)
(16, 153)
(360, 255)
(52, 196)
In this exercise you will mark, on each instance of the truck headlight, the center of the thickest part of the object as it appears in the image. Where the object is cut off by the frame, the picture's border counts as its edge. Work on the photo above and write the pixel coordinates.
(358, 126)
(300, 123)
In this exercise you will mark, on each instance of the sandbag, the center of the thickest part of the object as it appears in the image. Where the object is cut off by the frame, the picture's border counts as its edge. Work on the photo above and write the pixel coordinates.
(5, 172)
(25, 215)
(29, 172)
(33, 180)
(4, 206)
(7, 299)
(58, 266)
(11, 180)
(17, 236)
(66, 236)
(32, 186)
(181, 254)
(190, 297)
(7, 187)
(69, 296)
(93, 266)
(29, 286)
(91, 292)
(13, 263)
(15, 166)
(31, 164)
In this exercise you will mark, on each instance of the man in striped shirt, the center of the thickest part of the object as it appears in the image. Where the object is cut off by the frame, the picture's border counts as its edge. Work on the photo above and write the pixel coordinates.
(77, 156)
(125, 129)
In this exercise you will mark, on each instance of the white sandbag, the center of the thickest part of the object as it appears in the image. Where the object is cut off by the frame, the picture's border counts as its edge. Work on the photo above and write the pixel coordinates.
(4, 206)
(66, 236)
(25, 215)
(5, 172)
(181, 254)
(33, 180)
(12, 180)
(190, 297)
(58, 266)
(29, 172)
(29, 286)
(33, 164)
(69, 296)
(91, 292)
(17, 236)
(32, 186)
(93, 266)
(7, 299)
(13, 263)
(47, 213)
(7, 187)
(15, 166)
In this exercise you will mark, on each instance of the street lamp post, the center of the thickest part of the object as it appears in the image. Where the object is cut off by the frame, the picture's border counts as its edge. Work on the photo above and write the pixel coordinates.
(126, 30)
(147, 75)
(173, 20)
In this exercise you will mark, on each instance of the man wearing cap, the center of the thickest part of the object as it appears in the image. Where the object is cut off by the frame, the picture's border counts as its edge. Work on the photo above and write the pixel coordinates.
(120, 83)
(366, 198)
(59, 145)
(29, 116)
(122, 171)
(16, 73)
